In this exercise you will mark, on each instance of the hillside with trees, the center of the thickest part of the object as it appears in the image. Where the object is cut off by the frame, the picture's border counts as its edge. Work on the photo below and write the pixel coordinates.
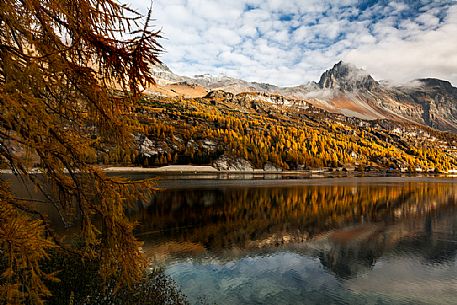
(59, 63)
(287, 136)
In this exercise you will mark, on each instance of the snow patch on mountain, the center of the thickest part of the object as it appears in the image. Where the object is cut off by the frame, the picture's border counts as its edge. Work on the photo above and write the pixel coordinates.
(343, 89)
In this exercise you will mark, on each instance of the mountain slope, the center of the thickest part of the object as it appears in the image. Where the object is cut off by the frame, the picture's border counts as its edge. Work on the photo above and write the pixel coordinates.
(250, 131)
(343, 89)
(430, 102)
(166, 77)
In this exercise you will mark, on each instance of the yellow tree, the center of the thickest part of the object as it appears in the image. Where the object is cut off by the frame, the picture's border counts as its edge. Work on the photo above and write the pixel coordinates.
(68, 69)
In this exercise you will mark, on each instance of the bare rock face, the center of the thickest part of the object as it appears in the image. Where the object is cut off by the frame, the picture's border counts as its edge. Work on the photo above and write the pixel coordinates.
(347, 77)
(225, 163)
(343, 89)
(147, 147)
(270, 167)
(437, 100)
(163, 75)
(439, 85)
(430, 102)
(220, 94)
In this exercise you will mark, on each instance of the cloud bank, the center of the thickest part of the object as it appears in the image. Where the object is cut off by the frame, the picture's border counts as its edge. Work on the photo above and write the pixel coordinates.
(292, 42)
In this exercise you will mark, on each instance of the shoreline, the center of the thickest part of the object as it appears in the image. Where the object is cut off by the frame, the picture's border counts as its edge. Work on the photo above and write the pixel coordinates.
(210, 170)
(318, 172)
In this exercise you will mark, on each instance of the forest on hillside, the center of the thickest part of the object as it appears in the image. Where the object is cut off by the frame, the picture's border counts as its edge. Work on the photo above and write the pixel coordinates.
(202, 130)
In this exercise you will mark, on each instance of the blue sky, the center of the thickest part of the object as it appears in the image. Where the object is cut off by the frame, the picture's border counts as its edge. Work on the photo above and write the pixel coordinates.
(292, 42)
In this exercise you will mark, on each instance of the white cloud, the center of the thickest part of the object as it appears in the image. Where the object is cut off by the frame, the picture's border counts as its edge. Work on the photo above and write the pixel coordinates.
(292, 42)
(427, 54)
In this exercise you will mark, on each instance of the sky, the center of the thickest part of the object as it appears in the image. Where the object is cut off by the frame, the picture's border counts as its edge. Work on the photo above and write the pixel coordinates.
(292, 42)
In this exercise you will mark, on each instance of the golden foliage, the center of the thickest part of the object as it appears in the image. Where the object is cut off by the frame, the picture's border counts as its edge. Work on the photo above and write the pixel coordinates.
(244, 216)
(288, 138)
(23, 243)
(59, 61)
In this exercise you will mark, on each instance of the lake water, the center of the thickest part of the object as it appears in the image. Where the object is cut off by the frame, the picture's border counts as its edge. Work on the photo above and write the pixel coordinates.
(378, 240)
(321, 241)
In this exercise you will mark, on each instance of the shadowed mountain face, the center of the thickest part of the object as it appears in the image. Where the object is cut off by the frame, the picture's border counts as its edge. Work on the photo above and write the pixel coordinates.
(350, 91)
(435, 100)
(347, 77)
(429, 101)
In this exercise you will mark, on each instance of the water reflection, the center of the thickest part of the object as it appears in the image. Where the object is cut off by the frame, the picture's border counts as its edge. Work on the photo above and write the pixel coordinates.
(341, 241)
(338, 244)
(218, 220)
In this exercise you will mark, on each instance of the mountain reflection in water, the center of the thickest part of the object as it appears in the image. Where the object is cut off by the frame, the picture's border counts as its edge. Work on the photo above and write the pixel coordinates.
(252, 245)
(323, 241)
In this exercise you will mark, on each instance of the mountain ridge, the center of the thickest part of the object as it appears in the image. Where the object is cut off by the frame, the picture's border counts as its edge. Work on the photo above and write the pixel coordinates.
(348, 77)
(343, 89)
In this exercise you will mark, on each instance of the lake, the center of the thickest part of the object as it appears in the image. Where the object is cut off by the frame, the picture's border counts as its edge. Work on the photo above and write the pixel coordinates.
(340, 240)
(316, 241)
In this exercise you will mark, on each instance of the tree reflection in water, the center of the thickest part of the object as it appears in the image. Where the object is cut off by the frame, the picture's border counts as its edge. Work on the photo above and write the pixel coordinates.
(348, 227)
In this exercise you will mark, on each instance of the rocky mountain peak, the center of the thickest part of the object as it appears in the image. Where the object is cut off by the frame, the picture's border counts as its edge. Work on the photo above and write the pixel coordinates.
(347, 77)
(438, 84)
(163, 75)
(160, 67)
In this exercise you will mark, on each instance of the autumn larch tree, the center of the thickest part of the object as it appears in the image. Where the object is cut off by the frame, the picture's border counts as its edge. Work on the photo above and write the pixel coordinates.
(69, 69)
